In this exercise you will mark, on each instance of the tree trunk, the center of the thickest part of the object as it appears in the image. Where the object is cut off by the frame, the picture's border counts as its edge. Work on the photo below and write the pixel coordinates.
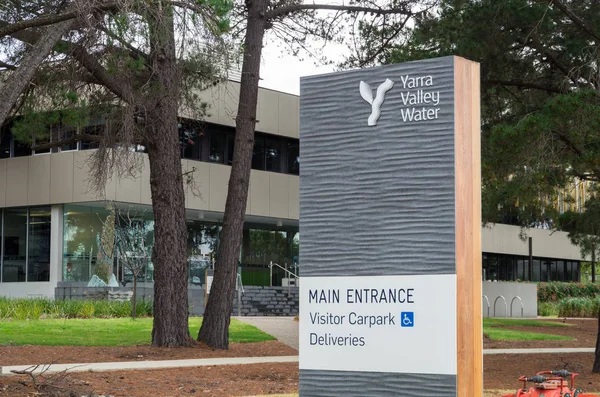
(215, 325)
(170, 328)
(596, 367)
(19, 80)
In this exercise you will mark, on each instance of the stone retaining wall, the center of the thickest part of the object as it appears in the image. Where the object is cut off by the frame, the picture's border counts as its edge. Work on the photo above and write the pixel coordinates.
(268, 301)
(256, 301)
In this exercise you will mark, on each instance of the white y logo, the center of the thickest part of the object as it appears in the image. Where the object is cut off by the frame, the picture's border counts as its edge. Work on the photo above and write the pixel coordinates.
(367, 94)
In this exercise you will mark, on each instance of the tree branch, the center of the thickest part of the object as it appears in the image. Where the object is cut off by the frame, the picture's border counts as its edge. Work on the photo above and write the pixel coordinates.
(52, 19)
(524, 84)
(119, 87)
(68, 141)
(7, 66)
(578, 21)
(386, 43)
(279, 11)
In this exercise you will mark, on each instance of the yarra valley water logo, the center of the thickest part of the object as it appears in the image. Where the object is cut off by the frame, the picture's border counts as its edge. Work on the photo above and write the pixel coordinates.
(419, 99)
(367, 94)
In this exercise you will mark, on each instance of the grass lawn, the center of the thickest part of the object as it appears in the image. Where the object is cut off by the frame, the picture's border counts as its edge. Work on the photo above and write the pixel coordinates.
(510, 322)
(105, 332)
(492, 327)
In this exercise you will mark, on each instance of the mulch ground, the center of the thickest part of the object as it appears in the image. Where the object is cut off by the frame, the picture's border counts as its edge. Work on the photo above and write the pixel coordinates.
(26, 355)
(218, 381)
(500, 371)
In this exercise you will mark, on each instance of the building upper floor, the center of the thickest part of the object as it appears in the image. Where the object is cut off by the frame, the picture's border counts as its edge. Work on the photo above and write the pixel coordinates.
(60, 175)
(63, 178)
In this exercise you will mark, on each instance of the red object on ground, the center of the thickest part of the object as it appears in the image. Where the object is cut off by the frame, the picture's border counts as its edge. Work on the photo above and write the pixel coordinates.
(550, 384)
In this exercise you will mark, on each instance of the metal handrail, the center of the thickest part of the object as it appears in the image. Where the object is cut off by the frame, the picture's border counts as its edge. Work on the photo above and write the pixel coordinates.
(488, 304)
(284, 269)
(240, 291)
(511, 305)
(505, 305)
(240, 285)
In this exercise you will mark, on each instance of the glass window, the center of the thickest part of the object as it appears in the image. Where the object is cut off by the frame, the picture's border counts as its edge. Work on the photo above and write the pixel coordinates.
(43, 139)
(260, 247)
(218, 141)
(15, 245)
(21, 149)
(82, 230)
(91, 130)
(191, 144)
(5, 144)
(293, 157)
(230, 146)
(536, 271)
(273, 154)
(202, 249)
(521, 269)
(38, 263)
(560, 271)
(545, 272)
(134, 232)
(258, 154)
(66, 133)
(492, 268)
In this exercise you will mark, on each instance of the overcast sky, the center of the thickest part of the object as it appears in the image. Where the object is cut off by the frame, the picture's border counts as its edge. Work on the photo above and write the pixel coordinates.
(281, 71)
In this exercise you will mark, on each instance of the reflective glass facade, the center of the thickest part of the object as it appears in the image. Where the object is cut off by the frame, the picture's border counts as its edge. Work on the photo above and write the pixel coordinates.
(502, 267)
(198, 141)
(262, 244)
(25, 244)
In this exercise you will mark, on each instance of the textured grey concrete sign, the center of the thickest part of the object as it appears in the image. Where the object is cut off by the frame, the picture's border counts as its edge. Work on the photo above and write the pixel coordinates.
(377, 220)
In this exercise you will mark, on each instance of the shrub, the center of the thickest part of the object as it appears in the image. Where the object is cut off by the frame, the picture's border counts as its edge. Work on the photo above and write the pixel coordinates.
(547, 309)
(33, 309)
(557, 291)
(579, 307)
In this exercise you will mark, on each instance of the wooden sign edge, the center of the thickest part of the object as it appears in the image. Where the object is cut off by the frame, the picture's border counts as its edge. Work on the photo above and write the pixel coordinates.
(467, 162)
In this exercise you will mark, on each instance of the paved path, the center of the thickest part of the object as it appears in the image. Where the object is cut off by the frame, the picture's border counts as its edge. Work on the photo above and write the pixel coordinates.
(285, 329)
(203, 362)
(127, 365)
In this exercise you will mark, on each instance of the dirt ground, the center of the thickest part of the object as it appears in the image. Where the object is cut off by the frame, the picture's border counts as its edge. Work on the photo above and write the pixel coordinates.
(500, 371)
(25, 355)
(218, 381)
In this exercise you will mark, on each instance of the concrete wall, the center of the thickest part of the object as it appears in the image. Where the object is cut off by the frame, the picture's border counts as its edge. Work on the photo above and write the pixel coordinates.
(277, 113)
(526, 291)
(62, 178)
(504, 239)
(145, 291)
(256, 301)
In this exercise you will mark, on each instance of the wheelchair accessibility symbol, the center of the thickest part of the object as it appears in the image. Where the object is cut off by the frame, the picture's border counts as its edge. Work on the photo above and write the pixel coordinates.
(407, 319)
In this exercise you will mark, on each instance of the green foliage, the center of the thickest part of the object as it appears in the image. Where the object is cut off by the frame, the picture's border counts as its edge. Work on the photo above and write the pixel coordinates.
(105, 332)
(584, 228)
(547, 309)
(540, 103)
(34, 309)
(579, 307)
(557, 291)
